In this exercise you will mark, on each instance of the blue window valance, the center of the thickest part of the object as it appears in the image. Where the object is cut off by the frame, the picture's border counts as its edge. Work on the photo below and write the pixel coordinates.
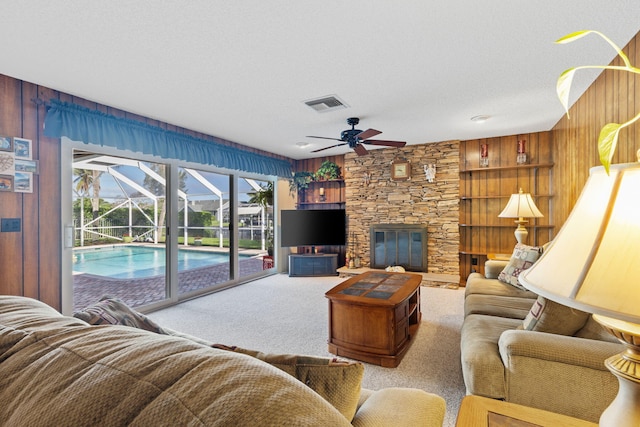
(90, 126)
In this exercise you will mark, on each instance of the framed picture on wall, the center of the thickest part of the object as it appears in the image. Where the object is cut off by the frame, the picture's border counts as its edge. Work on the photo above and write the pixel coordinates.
(400, 170)
(22, 148)
(7, 160)
(22, 165)
(6, 143)
(6, 182)
(23, 182)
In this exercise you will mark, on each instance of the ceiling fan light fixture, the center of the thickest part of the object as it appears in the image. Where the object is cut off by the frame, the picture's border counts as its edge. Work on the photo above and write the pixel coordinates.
(480, 118)
(326, 103)
(302, 144)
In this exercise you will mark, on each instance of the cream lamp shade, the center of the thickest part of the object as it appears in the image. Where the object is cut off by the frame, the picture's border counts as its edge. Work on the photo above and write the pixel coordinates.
(593, 265)
(521, 206)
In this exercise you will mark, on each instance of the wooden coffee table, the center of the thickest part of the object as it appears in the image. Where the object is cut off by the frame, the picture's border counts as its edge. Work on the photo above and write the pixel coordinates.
(373, 316)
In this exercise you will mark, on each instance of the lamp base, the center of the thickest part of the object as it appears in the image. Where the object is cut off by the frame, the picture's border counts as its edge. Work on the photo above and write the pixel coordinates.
(521, 233)
(625, 409)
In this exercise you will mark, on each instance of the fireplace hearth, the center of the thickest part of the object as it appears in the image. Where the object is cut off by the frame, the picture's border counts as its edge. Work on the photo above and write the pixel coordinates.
(399, 244)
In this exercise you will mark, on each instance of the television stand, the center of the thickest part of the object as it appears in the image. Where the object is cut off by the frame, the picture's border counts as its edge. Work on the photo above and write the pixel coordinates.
(313, 265)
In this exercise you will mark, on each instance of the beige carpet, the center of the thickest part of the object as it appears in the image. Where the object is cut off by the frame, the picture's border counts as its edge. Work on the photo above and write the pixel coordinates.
(282, 314)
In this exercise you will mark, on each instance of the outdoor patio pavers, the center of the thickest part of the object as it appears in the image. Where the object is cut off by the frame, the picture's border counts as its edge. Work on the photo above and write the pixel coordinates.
(88, 288)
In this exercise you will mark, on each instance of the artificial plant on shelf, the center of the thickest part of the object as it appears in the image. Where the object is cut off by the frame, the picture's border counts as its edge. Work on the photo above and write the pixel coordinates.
(300, 181)
(608, 138)
(328, 170)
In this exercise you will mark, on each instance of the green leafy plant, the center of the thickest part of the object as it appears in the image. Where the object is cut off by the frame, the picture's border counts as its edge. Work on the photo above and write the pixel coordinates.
(608, 138)
(263, 197)
(299, 181)
(328, 170)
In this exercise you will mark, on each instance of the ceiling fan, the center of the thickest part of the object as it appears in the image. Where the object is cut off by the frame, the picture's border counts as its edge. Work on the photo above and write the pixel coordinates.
(355, 138)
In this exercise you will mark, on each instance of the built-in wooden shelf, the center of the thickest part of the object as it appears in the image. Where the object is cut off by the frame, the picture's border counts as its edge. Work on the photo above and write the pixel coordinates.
(528, 226)
(499, 197)
(484, 192)
(505, 168)
(320, 203)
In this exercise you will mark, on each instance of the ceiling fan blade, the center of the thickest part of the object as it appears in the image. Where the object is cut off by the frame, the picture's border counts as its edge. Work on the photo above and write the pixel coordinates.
(368, 133)
(324, 137)
(384, 142)
(326, 148)
(360, 150)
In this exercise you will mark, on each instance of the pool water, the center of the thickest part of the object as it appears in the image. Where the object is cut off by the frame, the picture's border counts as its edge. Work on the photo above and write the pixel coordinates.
(134, 262)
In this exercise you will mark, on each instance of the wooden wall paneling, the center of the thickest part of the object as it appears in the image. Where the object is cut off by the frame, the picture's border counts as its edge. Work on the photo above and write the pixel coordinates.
(50, 233)
(30, 201)
(575, 140)
(11, 203)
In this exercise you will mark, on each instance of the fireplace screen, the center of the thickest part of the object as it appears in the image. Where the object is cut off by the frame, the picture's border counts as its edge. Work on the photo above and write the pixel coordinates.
(399, 244)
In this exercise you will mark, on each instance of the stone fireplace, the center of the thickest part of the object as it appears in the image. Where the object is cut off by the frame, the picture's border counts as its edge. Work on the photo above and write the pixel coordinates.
(378, 199)
(398, 244)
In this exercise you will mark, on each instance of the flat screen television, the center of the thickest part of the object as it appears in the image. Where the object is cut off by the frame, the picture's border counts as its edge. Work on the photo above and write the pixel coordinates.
(319, 227)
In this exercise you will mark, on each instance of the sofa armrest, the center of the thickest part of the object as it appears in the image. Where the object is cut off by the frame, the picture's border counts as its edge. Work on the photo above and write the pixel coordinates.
(493, 267)
(400, 407)
(556, 348)
(558, 373)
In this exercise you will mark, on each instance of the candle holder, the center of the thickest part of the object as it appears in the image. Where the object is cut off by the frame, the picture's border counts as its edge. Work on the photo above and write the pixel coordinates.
(484, 155)
(522, 153)
(322, 196)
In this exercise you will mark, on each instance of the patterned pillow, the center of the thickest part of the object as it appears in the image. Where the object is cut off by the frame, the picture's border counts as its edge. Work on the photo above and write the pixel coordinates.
(548, 316)
(522, 258)
(112, 311)
(338, 382)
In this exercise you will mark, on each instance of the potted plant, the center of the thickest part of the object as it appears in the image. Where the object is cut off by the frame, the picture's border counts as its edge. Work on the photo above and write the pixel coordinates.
(328, 170)
(269, 242)
(299, 181)
(126, 238)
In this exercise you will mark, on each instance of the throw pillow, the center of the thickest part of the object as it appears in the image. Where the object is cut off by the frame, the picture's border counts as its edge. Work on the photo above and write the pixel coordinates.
(522, 258)
(112, 311)
(548, 316)
(338, 382)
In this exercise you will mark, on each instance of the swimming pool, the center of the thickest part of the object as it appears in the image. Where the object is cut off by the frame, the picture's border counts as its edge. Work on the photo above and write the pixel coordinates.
(134, 262)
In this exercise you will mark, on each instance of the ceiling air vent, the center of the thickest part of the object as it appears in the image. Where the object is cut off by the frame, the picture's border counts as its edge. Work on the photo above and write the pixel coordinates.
(326, 103)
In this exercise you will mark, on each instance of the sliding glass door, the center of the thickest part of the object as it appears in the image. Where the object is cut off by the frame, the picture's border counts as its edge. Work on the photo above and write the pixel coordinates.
(153, 231)
(255, 226)
(203, 230)
(119, 214)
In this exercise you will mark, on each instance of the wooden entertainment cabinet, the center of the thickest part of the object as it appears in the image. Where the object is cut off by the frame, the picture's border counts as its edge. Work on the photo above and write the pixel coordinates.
(313, 265)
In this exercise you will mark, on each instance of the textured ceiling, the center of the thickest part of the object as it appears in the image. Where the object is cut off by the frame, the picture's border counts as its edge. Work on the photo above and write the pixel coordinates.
(241, 70)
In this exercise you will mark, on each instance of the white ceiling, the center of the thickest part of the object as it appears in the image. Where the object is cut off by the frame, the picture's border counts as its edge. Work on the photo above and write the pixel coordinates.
(417, 70)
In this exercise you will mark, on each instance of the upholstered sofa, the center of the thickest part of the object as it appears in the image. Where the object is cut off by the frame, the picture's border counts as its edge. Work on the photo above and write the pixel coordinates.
(60, 370)
(524, 349)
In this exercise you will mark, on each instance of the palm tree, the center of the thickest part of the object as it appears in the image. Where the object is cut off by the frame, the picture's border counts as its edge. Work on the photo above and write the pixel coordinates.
(85, 180)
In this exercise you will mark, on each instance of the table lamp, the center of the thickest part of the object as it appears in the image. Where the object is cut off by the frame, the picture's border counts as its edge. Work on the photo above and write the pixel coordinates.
(593, 265)
(521, 206)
